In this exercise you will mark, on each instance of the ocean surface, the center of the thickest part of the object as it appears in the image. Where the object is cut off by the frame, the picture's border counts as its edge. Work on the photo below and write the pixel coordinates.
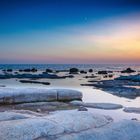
(95, 67)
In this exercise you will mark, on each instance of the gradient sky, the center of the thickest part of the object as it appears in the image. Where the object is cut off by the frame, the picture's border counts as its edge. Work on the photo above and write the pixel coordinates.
(69, 31)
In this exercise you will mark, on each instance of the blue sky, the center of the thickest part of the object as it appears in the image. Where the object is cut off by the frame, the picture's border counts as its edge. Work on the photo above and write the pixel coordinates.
(58, 31)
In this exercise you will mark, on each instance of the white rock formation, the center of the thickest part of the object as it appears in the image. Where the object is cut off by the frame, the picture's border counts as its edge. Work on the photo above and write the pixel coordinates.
(54, 125)
(25, 95)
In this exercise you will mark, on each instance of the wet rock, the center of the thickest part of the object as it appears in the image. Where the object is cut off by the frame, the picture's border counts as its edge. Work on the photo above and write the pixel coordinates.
(49, 71)
(34, 82)
(128, 70)
(33, 70)
(9, 70)
(102, 72)
(90, 70)
(83, 72)
(73, 71)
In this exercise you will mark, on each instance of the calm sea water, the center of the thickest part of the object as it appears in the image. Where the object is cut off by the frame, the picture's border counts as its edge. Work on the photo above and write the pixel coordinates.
(67, 66)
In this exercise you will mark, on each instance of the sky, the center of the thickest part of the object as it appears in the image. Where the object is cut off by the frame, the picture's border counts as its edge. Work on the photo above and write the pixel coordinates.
(69, 31)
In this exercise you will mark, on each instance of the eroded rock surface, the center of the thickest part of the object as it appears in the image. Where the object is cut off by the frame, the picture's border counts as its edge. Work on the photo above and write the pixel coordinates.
(51, 126)
(27, 95)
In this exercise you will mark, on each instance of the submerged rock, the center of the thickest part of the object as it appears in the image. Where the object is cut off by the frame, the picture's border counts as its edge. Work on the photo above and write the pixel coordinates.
(122, 88)
(107, 106)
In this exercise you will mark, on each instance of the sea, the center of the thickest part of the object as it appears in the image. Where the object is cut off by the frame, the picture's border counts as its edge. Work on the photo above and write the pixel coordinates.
(95, 67)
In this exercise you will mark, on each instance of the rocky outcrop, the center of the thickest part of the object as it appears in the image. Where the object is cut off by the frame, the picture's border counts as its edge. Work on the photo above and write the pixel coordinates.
(122, 88)
(27, 95)
(123, 130)
(51, 126)
(68, 125)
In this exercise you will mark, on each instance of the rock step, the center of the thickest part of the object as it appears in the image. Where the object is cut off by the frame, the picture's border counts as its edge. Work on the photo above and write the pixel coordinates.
(27, 95)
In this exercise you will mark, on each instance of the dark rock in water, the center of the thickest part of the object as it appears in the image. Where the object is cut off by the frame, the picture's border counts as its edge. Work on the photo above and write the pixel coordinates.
(20, 70)
(33, 76)
(90, 70)
(105, 76)
(73, 71)
(81, 108)
(83, 72)
(49, 71)
(128, 70)
(34, 82)
(27, 70)
(91, 76)
(102, 72)
(9, 70)
(4, 70)
(33, 70)
(110, 75)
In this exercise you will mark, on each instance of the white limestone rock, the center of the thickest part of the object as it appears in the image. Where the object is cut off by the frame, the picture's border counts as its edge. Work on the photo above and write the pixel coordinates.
(27, 95)
(54, 125)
